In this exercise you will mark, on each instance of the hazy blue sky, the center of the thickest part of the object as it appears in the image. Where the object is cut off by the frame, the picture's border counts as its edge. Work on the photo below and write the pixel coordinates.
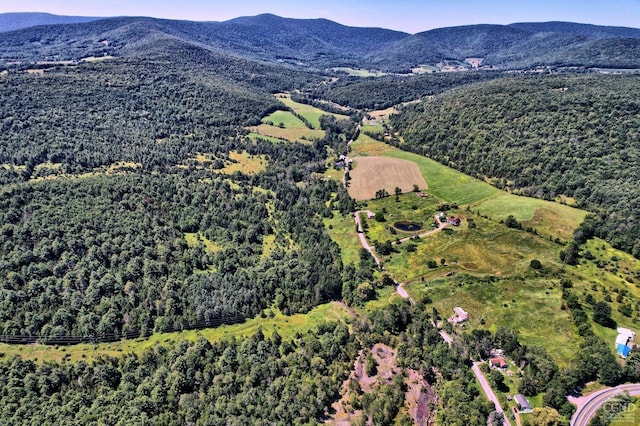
(405, 15)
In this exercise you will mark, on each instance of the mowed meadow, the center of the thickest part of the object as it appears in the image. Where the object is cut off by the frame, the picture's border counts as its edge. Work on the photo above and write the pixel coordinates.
(371, 174)
(284, 125)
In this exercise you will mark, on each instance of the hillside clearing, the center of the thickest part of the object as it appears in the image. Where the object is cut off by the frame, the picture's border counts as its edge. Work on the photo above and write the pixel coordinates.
(547, 217)
(286, 325)
(295, 134)
(372, 174)
(309, 112)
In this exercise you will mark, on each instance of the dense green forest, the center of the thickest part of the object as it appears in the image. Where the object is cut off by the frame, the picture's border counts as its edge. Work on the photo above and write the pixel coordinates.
(543, 136)
(383, 92)
(256, 380)
(105, 255)
(128, 110)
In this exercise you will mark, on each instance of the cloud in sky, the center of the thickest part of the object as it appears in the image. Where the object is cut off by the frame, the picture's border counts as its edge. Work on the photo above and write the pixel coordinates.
(406, 15)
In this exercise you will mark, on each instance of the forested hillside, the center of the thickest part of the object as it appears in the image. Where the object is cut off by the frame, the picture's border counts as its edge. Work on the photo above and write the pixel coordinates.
(152, 112)
(543, 136)
(319, 44)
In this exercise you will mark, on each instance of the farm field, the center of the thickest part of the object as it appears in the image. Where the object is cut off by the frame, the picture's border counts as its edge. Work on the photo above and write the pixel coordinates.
(548, 218)
(291, 134)
(309, 112)
(371, 174)
(254, 136)
(286, 325)
(359, 72)
(285, 126)
(444, 182)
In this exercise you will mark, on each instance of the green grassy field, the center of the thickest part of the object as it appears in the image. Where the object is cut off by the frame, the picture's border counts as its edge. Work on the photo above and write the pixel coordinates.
(410, 207)
(283, 119)
(310, 113)
(359, 72)
(292, 134)
(442, 181)
(490, 248)
(531, 306)
(342, 230)
(254, 136)
(547, 217)
(286, 325)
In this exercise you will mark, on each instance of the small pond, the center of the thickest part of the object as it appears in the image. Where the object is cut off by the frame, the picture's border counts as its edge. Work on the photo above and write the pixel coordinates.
(407, 226)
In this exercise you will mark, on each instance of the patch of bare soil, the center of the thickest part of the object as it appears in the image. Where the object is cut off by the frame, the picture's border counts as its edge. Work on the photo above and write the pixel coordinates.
(417, 397)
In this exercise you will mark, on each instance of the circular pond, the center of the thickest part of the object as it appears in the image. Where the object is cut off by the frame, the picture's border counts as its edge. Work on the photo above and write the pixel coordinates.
(407, 226)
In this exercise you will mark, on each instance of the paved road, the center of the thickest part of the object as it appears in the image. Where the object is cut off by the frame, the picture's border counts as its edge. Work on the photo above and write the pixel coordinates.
(486, 388)
(587, 406)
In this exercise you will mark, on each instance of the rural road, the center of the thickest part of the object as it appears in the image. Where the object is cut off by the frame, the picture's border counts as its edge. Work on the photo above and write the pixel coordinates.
(363, 238)
(588, 405)
(441, 226)
(403, 293)
(486, 388)
(365, 244)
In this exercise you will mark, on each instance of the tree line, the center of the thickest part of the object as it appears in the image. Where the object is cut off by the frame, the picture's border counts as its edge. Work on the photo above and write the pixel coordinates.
(542, 136)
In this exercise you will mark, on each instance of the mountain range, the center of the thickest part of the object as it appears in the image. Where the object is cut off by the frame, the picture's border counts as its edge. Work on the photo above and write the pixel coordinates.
(320, 43)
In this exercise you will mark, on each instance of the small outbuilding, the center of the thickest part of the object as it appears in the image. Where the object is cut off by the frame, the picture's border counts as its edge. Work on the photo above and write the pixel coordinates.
(455, 221)
(623, 345)
(523, 404)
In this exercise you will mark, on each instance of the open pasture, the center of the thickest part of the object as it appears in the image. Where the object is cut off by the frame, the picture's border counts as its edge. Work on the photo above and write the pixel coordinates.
(531, 307)
(372, 174)
(353, 72)
(490, 248)
(283, 119)
(547, 217)
(309, 112)
(444, 182)
(295, 134)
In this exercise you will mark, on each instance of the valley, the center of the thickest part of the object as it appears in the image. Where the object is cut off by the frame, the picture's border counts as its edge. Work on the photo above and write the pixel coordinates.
(178, 243)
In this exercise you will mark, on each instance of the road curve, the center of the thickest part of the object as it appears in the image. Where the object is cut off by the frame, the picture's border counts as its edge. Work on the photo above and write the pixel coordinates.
(596, 400)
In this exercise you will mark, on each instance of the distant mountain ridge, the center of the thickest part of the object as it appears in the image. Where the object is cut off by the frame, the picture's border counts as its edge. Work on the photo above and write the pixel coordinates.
(320, 43)
(19, 20)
